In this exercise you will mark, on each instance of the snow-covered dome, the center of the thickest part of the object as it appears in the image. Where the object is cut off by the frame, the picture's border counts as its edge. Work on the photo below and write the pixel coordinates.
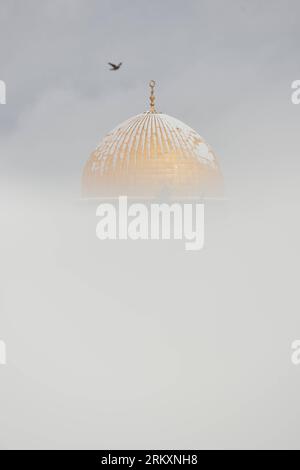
(150, 154)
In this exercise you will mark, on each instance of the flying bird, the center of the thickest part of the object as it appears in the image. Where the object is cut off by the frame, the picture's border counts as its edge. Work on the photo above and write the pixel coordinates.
(114, 66)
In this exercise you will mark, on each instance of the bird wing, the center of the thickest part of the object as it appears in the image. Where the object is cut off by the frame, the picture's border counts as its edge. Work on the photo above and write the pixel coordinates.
(112, 65)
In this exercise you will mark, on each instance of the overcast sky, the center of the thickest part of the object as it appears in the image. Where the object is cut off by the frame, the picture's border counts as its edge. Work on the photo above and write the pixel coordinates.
(224, 68)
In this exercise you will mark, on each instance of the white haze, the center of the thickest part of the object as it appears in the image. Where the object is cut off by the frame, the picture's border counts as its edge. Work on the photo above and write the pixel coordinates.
(141, 344)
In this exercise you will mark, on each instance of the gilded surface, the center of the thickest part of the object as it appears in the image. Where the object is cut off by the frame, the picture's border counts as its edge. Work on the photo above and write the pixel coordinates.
(151, 154)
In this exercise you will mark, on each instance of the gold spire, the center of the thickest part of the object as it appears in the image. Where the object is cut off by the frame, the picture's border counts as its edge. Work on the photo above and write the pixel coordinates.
(152, 96)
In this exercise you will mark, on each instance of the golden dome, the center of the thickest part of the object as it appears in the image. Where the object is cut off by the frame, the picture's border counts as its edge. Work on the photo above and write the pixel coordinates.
(150, 154)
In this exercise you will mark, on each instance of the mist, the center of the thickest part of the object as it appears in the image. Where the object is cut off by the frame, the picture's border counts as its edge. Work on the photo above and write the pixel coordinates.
(121, 344)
